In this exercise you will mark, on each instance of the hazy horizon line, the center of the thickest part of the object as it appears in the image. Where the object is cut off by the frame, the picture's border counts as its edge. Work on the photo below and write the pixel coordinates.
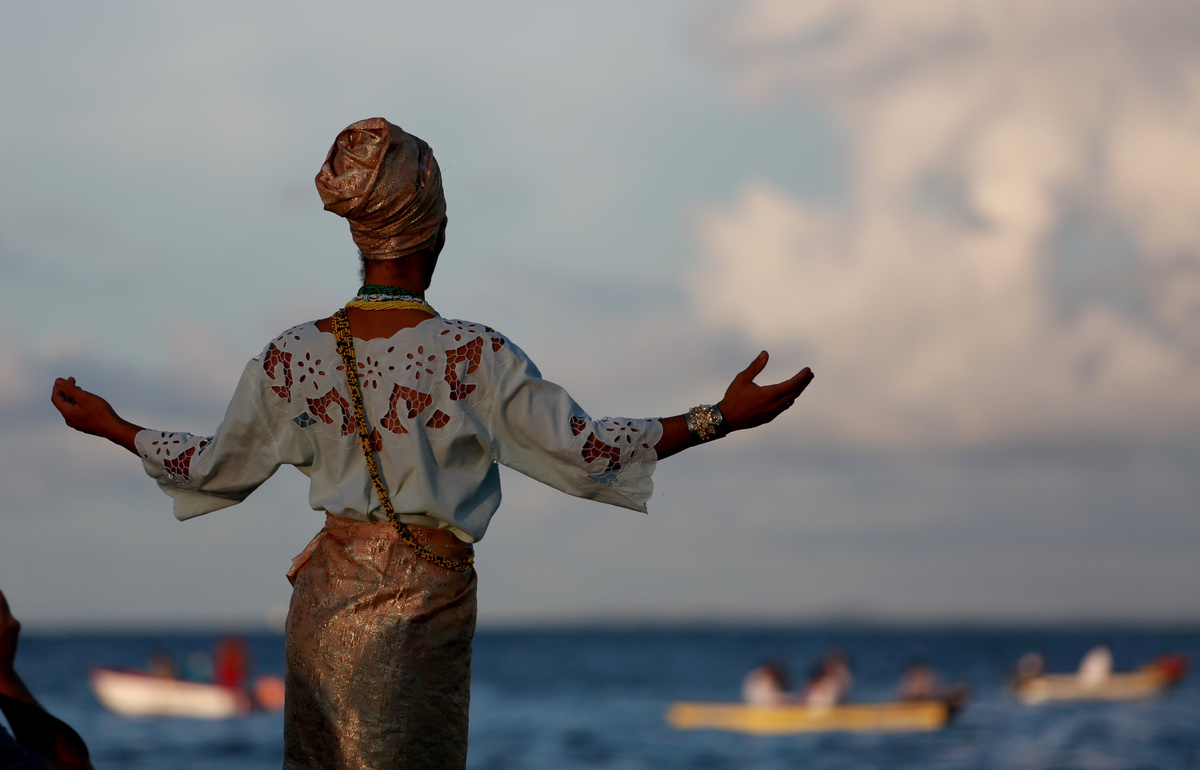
(632, 624)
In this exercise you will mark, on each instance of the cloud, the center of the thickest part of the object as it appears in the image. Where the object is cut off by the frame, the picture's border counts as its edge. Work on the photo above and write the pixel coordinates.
(16, 384)
(1019, 256)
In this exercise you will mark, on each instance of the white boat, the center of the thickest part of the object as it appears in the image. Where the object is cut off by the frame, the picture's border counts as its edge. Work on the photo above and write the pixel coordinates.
(134, 694)
(1147, 682)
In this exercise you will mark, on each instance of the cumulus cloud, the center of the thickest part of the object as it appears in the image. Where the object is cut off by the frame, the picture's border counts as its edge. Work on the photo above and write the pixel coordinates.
(1019, 255)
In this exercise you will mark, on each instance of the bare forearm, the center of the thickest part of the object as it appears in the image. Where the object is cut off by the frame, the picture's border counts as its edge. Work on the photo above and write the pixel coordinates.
(124, 433)
(675, 437)
(117, 430)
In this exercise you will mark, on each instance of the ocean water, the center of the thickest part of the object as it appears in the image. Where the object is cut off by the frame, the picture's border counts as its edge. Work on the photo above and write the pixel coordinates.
(546, 699)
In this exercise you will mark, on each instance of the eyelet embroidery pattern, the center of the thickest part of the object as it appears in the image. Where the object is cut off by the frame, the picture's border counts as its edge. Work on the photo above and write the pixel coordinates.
(416, 377)
(179, 467)
(415, 401)
(419, 362)
(177, 461)
(430, 389)
(309, 369)
(165, 442)
(618, 432)
(469, 354)
(278, 357)
(370, 373)
(320, 409)
(272, 361)
(594, 449)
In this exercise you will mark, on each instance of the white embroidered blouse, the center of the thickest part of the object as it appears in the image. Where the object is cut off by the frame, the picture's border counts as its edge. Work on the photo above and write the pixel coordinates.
(446, 401)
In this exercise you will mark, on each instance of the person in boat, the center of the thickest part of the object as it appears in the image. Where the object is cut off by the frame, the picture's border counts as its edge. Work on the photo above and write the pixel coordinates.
(162, 665)
(399, 417)
(768, 685)
(919, 682)
(820, 689)
(829, 681)
(1030, 666)
(39, 740)
(231, 666)
(837, 667)
(1096, 666)
(198, 667)
(230, 662)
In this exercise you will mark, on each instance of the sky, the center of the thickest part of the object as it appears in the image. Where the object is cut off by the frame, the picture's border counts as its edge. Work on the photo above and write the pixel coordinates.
(974, 220)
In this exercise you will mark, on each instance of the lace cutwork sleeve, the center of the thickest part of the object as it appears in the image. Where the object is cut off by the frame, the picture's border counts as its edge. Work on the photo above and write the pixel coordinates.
(207, 473)
(539, 430)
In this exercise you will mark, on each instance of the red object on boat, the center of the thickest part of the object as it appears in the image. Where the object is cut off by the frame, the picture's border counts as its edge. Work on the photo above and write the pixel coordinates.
(1171, 667)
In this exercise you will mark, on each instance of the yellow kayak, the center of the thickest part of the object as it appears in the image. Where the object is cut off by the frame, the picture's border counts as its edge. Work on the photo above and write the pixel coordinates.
(913, 716)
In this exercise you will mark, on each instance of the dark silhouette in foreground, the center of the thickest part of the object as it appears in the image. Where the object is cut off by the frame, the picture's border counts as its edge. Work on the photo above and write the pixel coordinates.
(41, 740)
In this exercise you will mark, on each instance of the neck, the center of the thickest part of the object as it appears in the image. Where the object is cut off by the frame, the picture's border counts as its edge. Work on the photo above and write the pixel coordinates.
(406, 272)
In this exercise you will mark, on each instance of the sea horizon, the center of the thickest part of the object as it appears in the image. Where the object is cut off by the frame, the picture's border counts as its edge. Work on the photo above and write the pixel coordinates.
(865, 622)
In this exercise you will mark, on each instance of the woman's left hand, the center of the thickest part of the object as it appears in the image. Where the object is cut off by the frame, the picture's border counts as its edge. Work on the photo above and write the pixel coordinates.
(748, 404)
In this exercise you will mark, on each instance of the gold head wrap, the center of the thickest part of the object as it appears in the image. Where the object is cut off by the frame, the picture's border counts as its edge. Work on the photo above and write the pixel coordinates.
(387, 184)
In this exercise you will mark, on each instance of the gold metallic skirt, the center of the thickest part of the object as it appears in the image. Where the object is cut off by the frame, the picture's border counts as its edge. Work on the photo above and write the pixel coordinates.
(378, 652)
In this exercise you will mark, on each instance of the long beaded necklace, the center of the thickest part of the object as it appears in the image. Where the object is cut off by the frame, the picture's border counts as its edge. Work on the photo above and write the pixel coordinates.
(345, 347)
(374, 296)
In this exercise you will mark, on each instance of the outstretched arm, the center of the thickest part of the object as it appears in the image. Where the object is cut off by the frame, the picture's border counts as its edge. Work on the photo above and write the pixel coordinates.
(88, 413)
(745, 405)
(201, 473)
(32, 725)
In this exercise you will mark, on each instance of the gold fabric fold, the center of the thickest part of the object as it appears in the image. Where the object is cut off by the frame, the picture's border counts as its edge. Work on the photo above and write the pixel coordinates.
(378, 651)
(387, 185)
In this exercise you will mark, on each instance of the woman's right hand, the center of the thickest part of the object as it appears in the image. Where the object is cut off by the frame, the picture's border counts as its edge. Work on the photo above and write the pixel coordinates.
(88, 413)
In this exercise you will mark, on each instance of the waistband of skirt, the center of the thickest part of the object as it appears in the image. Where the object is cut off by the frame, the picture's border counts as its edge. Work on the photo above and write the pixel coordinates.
(341, 528)
(344, 530)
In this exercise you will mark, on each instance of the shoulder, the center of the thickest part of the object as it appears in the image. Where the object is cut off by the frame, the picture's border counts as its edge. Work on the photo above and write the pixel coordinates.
(471, 346)
(296, 339)
(299, 355)
(454, 333)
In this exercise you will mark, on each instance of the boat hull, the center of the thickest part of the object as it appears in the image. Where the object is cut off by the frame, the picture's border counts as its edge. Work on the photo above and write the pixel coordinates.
(1134, 685)
(917, 716)
(134, 694)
